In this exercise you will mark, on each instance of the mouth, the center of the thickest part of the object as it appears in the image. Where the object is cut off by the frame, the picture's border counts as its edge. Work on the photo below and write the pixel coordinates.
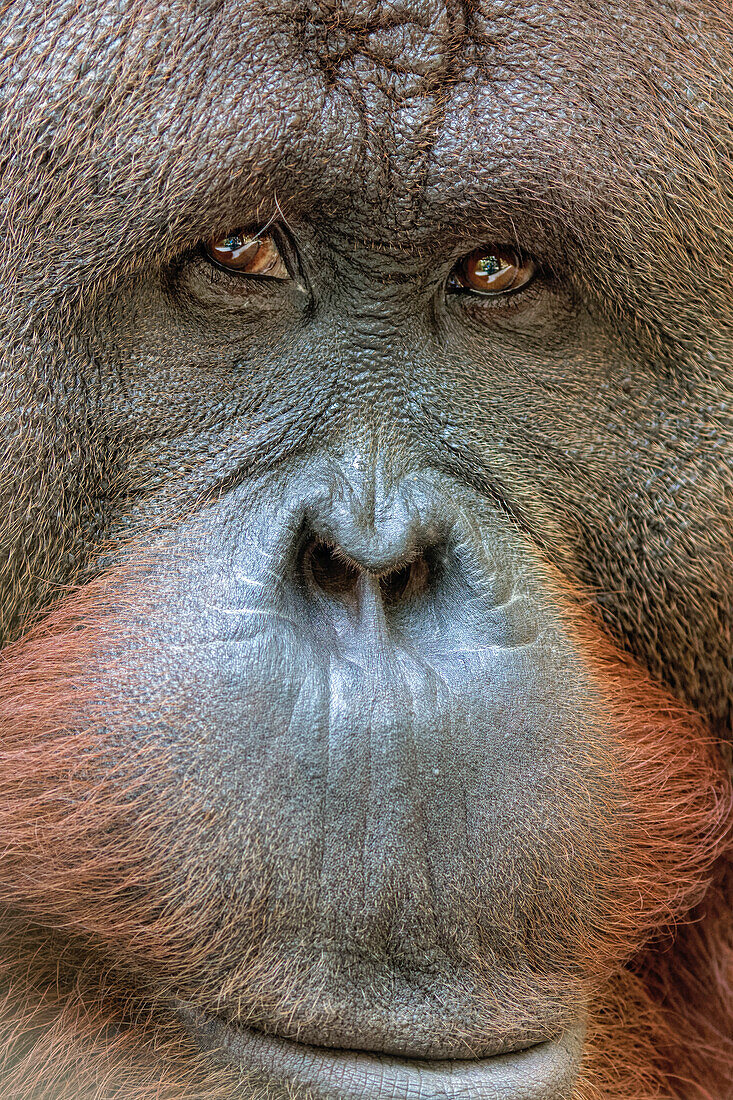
(285, 1068)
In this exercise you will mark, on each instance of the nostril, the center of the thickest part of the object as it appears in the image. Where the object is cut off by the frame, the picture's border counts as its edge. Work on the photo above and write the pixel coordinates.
(395, 584)
(334, 575)
(329, 570)
(405, 582)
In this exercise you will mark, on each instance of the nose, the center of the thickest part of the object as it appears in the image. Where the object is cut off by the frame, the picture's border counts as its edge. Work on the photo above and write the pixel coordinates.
(373, 535)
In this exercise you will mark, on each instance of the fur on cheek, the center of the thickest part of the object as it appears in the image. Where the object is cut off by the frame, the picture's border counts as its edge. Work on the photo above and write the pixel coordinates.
(91, 924)
(661, 1025)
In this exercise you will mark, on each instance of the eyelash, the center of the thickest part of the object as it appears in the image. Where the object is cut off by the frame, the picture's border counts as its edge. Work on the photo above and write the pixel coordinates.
(504, 304)
(454, 287)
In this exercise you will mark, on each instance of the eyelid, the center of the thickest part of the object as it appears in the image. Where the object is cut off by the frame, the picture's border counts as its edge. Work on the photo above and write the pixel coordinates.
(494, 309)
(458, 289)
(503, 301)
(289, 252)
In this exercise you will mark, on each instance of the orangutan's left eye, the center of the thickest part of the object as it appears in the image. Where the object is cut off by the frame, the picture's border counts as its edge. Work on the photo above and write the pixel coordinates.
(491, 272)
(247, 254)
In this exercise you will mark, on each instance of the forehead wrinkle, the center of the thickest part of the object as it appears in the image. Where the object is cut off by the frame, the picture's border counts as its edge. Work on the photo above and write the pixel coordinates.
(402, 36)
(531, 141)
(233, 113)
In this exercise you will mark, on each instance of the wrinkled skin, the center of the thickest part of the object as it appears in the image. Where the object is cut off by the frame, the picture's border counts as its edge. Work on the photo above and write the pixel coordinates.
(382, 805)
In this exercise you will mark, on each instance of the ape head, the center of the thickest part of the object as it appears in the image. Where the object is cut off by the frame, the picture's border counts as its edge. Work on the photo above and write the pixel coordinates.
(365, 523)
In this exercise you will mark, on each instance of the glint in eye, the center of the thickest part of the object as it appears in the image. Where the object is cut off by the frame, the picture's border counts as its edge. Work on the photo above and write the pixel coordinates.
(491, 272)
(248, 254)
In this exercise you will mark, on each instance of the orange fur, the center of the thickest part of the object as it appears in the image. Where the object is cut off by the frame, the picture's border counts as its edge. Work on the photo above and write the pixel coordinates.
(94, 948)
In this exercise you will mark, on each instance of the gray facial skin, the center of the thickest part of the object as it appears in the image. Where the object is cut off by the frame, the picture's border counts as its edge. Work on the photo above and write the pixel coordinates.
(352, 507)
(368, 755)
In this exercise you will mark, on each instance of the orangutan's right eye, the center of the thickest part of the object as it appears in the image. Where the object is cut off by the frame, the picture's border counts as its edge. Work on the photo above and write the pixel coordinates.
(491, 272)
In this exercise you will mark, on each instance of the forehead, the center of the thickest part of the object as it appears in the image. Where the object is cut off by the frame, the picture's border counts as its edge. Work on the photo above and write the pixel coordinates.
(395, 101)
(196, 112)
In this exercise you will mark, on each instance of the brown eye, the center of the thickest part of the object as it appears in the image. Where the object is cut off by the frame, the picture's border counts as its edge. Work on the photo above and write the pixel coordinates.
(248, 255)
(494, 271)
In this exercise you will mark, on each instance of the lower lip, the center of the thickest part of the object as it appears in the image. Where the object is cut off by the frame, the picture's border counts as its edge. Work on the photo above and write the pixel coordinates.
(546, 1071)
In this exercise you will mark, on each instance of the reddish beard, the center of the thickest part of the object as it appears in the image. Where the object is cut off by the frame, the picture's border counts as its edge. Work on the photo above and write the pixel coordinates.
(93, 930)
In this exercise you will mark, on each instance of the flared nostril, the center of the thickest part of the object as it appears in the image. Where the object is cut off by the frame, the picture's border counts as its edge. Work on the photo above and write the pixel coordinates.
(328, 570)
(405, 582)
